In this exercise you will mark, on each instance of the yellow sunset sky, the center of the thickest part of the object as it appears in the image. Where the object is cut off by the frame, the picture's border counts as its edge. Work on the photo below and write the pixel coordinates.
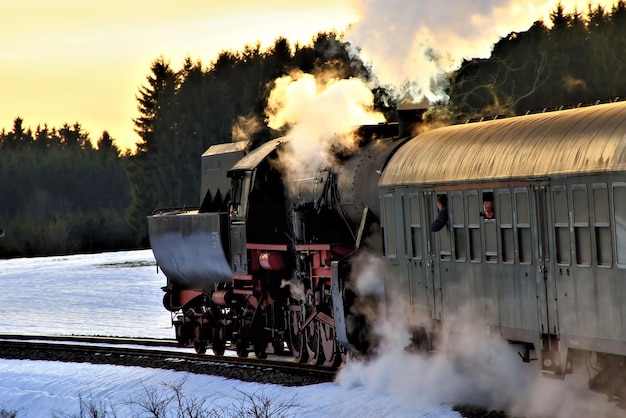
(68, 61)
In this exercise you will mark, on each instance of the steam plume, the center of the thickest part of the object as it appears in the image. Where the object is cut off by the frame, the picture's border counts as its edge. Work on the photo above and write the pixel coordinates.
(320, 114)
(410, 44)
(472, 366)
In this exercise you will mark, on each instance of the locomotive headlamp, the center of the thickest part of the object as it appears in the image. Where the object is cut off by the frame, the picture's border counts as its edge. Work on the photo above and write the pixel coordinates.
(271, 260)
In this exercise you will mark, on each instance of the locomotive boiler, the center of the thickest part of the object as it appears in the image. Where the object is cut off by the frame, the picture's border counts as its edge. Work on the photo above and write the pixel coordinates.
(256, 268)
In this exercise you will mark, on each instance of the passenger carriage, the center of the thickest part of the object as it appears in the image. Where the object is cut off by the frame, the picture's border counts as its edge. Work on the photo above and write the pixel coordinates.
(550, 270)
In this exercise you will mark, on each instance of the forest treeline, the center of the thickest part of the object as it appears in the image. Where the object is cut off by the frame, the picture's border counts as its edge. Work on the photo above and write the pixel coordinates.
(60, 193)
(578, 60)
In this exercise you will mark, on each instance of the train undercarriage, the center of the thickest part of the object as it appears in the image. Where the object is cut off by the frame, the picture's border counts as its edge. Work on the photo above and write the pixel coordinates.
(222, 320)
(298, 328)
(288, 317)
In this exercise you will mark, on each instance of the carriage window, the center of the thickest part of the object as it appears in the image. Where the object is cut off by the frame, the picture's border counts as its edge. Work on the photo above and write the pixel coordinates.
(390, 227)
(619, 210)
(491, 233)
(523, 226)
(458, 226)
(488, 206)
(416, 226)
(473, 224)
(445, 252)
(604, 248)
(582, 235)
(506, 226)
(561, 225)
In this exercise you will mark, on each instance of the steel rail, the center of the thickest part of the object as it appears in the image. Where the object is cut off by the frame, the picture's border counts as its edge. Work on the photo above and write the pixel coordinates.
(99, 350)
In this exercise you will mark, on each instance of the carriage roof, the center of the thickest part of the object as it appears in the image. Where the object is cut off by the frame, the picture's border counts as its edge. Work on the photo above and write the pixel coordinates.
(586, 139)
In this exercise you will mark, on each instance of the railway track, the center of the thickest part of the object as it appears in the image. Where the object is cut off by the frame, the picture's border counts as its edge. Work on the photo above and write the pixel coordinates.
(163, 354)
(166, 354)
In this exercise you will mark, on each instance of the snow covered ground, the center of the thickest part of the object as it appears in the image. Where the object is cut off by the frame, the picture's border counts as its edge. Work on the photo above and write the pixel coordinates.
(118, 294)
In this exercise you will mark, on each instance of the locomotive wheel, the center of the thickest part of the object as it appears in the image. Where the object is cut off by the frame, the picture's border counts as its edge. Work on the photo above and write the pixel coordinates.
(332, 354)
(219, 346)
(296, 338)
(242, 349)
(200, 347)
(199, 339)
(301, 353)
(279, 347)
(313, 343)
(184, 333)
(259, 351)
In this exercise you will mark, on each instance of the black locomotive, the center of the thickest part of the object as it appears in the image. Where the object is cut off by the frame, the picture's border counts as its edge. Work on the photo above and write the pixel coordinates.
(257, 266)
(265, 266)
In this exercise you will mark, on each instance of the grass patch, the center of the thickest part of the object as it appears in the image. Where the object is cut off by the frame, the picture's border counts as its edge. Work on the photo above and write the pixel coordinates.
(171, 400)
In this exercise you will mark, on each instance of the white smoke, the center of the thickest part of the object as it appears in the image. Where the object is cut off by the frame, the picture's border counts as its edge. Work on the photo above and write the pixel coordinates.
(321, 114)
(411, 44)
(296, 289)
(470, 366)
(475, 371)
(369, 271)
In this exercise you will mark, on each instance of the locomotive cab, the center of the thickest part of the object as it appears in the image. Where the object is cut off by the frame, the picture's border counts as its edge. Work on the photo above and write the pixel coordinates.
(260, 259)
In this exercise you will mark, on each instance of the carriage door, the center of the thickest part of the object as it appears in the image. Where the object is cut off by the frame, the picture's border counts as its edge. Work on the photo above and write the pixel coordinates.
(437, 250)
(558, 217)
(546, 291)
(403, 245)
(395, 218)
(417, 256)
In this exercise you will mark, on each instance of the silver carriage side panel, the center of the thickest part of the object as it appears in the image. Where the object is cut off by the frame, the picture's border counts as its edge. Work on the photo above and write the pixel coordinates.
(589, 275)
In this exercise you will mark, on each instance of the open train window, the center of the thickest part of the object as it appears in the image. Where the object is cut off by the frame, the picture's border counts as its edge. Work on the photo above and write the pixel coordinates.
(619, 214)
(445, 252)
(491, 233)
(488, 206)
(561, 225)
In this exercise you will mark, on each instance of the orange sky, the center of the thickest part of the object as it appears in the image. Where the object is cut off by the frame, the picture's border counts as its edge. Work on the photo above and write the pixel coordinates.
(67, 61)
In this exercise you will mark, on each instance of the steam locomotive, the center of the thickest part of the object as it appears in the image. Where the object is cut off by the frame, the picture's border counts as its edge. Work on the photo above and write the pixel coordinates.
(267, 264)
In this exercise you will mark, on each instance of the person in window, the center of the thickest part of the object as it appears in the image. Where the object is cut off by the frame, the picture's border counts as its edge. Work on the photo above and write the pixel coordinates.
(488, 210)
(442, 216)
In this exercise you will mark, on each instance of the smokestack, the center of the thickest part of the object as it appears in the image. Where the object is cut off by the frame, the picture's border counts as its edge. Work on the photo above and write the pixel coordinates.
(408, 119)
